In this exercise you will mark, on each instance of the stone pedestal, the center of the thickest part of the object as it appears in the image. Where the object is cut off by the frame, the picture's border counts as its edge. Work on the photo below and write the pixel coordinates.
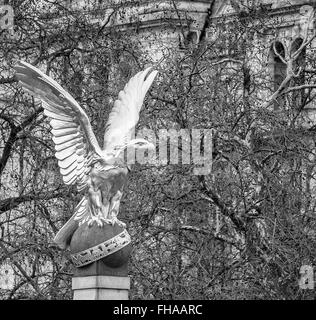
(100, 288)
(100, 256)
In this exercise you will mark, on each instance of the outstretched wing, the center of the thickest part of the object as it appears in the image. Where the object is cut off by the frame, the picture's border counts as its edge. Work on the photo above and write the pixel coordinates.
(125, 113)
(75, 142)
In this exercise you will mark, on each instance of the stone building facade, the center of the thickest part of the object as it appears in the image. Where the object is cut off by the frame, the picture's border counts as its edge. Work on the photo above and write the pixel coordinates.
(163, 25)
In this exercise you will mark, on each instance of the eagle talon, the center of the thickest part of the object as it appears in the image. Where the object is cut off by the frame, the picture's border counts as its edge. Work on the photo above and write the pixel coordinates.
(118, 222)
(99, 220)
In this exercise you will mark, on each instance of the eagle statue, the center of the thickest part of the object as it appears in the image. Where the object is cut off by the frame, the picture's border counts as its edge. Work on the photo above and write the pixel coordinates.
(99, 173)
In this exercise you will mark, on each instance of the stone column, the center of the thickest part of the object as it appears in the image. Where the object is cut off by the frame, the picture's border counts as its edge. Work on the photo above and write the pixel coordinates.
(100, 287)
(101, 271)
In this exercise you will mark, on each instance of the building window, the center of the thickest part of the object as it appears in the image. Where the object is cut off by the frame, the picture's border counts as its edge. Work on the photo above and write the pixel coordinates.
(298, 96)
(190, 39)
(278, 70)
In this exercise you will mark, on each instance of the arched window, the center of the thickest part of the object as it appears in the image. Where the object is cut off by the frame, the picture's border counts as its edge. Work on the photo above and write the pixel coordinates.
(278, 70)
(299, 64)
(191, 38)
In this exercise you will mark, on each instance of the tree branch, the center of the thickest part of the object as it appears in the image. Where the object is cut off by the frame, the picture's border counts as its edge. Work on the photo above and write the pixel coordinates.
(14, 202)
(13, 137)
(7, 80)
(19, 267)
(211, 196)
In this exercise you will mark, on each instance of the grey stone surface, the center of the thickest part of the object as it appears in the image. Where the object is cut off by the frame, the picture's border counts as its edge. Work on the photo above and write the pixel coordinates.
(100, 294)
(100, 288)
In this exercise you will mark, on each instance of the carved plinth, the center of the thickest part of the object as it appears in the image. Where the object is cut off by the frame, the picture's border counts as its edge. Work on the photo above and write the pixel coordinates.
(100, 256)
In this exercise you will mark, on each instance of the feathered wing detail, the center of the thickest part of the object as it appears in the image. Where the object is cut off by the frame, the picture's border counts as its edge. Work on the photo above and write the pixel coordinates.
(75, 143)
(125, 113)
(82, 214)
(82, 210)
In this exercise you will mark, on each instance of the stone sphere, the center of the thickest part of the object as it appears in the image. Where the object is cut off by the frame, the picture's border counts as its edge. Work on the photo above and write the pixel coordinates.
(86, 237)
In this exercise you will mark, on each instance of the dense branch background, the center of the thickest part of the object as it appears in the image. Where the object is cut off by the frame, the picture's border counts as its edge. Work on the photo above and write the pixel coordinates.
(241, 232)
